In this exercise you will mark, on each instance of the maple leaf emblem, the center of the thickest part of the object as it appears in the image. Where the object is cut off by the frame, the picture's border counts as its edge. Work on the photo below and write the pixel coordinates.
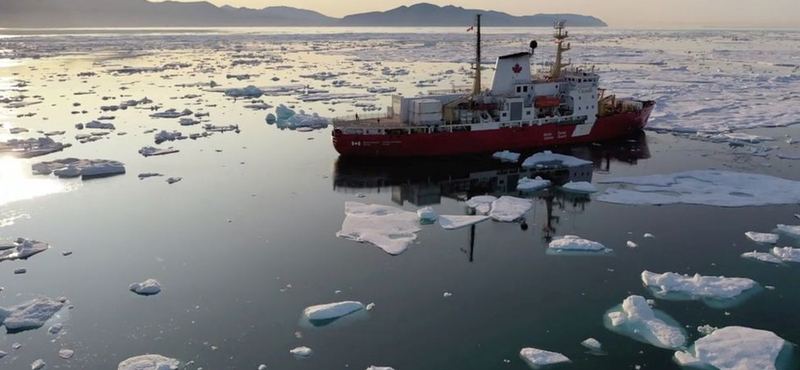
(517, 68)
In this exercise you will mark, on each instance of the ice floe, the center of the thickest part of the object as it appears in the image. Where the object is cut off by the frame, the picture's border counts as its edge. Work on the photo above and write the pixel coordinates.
(592, 344)
(572, 243)
(765, 238)
(373, 367)
(149, 362)
(703, 187)
(763, 257)
(66, 353)
(33, 147)
(149, 151)
(710, 289)
(527, 184)
(537, 358)
(301, 352)
(388, 228)
(21, 248)
(509, 209)
(548, 159)
(636, 319)
(455, 222)
(506, 156)
(331, 311)
(734, 348)
(172, 113)
(74, 167)
(787, 254)
(147, 287)
(30, 315)
(791, 230)
(482, 203)
(579, 187)
(38, 365)
(427, 215)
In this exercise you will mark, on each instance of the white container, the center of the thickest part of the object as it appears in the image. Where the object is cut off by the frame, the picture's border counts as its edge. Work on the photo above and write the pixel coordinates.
(426, 106)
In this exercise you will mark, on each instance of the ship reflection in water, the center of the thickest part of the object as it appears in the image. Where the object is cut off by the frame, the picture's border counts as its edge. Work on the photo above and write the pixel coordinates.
(427, 181)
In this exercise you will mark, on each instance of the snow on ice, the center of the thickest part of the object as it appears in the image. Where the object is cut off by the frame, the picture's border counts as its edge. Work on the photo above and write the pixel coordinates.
(685, 287)
(388, 228)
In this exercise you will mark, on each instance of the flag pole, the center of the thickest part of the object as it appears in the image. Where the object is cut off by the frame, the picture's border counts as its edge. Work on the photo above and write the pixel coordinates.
(476, 88)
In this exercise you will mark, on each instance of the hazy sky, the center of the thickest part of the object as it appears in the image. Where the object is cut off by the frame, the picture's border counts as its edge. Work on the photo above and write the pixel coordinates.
(617, 13)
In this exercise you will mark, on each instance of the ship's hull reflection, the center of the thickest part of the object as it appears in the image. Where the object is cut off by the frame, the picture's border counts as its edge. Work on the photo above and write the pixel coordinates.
(425, 181)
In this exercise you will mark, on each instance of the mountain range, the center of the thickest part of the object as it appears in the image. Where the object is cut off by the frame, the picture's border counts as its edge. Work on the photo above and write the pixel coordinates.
(144, 13)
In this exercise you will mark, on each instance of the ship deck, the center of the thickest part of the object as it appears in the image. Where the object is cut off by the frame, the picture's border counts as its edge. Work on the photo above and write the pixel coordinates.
(369, 122)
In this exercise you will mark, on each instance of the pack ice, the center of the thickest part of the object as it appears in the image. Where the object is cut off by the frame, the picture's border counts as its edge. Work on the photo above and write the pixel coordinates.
(30, 315)
(734, 348)
(703, 187)
(388, 228)
(21, 249)
(634, 318)
(537, 358)
(149, 362)
(675, 286)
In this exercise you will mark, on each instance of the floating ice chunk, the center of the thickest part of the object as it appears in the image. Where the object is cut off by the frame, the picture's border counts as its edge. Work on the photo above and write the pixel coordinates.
(388, 228)
(3, 354)
(149, 151)
(592, 344)
(271, 119)
(635, 319)
(149, 362)
(332, 311)
(38, 365)
(55, 328)
(765, 238)
(787, 254)
(146, 175)
(706, 329)
(508, 208)
(30, 315)
(427, 215)
(506, 156)
(631, 244)
(482, 203)
(527, 184)
(576, 243)
(735, 348)
(168, 136)
(21, 249)
(99, 125)
(301, 352)
(173, 180)
(66, 353)
(247, 92)
(790, 230)
(262, 367)
(763, 257)
(373, 367)
(188, 121)
(73, 167)
(172, 113)
(548, 159)
(579, 187)
(686, 359)
(684, 287)
(283, 112)
(704, 187)
(793, 157)
(649, 236)
(449, 222)
(537, 358)
(31, 147)
(147, 287)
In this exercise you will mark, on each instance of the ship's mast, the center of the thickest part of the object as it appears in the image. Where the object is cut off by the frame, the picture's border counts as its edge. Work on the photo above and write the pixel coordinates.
(476, 87)
(560, 35)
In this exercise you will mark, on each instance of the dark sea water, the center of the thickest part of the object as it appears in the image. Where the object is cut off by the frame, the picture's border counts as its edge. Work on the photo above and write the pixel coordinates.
(250, 220)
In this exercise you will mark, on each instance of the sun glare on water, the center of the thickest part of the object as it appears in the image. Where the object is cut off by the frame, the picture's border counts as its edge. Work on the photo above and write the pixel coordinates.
(17, 183)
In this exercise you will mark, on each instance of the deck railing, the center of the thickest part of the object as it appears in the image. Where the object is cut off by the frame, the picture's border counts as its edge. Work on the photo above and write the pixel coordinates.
(360, 117)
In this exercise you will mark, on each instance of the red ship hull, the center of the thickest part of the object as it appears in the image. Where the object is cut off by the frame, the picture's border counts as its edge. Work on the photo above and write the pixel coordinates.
(513, 138)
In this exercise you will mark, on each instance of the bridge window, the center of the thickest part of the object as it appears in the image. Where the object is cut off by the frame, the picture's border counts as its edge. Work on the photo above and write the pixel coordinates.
(524, 89)
(519, 88)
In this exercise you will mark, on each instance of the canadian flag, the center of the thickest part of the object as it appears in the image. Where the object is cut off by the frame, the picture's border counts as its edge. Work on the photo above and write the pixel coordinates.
(470, 28)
